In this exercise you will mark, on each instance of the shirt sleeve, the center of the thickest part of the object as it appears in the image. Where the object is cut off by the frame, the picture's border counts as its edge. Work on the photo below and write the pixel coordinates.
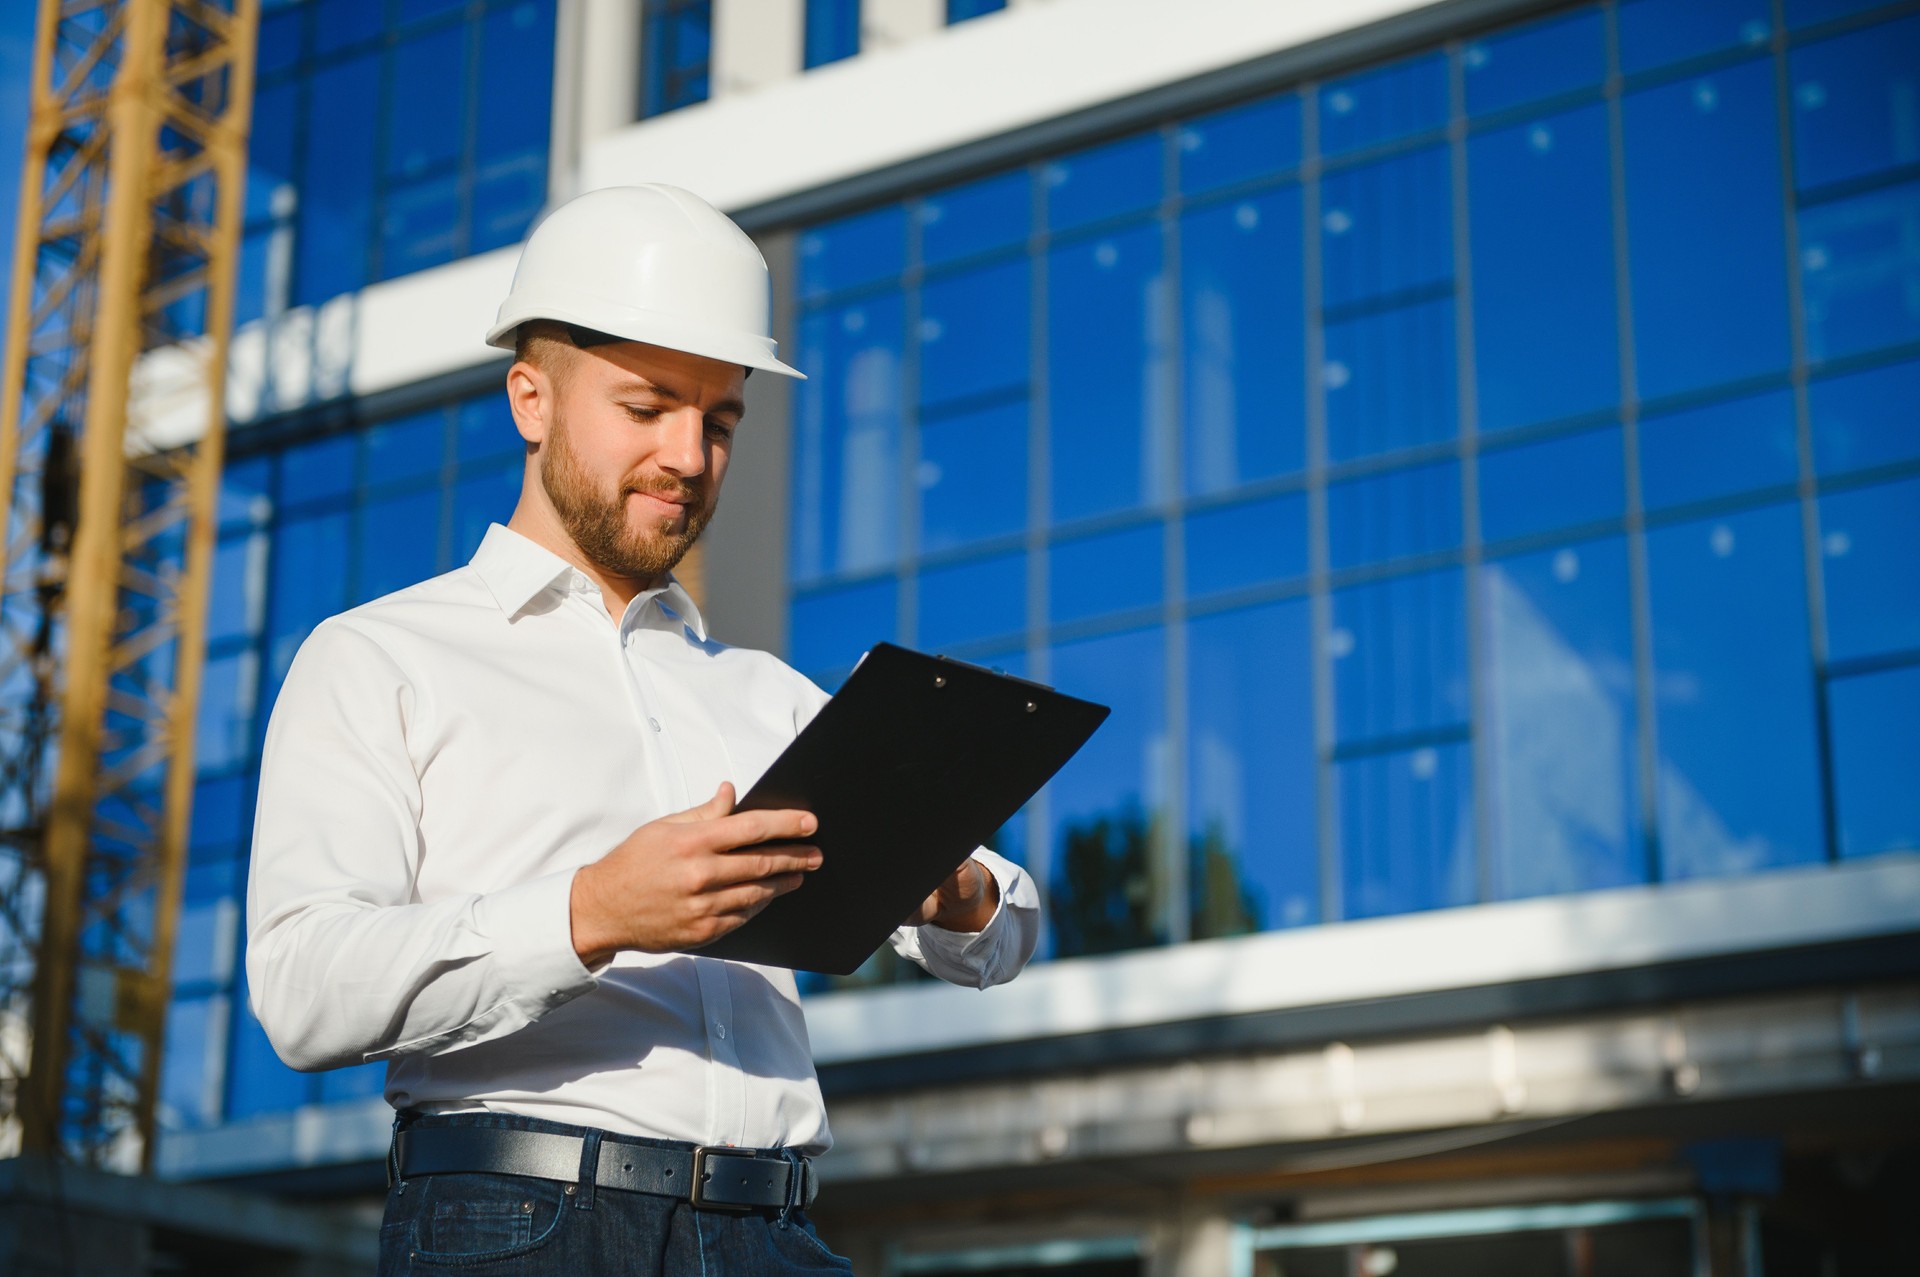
(343, 963)
(995, 953)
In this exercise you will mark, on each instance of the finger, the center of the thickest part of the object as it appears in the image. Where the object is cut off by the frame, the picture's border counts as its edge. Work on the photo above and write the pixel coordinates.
(733, 869)
(721, 804)
(750, 898)
(745, 828)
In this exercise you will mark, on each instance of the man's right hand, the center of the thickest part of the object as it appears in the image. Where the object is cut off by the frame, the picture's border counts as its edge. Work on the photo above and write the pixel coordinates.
(680, 882)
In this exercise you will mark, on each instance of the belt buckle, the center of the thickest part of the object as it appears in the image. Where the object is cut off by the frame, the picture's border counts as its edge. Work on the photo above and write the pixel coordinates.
(698, 1198)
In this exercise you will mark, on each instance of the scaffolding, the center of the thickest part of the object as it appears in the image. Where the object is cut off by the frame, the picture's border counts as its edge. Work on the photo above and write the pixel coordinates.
(130, 207)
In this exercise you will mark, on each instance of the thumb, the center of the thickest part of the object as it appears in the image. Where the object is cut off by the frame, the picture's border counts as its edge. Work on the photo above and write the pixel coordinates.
(721, 804)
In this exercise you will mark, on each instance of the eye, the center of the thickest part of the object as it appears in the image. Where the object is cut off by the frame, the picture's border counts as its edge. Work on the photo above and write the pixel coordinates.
(640, 412)
(719, 429)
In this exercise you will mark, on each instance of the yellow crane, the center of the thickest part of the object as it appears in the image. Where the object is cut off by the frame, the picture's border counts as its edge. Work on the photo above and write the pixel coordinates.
(129, 219)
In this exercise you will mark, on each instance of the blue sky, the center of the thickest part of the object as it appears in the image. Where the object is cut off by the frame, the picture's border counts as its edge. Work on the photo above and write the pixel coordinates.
(16, 62)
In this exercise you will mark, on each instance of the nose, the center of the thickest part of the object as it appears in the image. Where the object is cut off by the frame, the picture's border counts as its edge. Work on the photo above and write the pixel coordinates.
(683, 442)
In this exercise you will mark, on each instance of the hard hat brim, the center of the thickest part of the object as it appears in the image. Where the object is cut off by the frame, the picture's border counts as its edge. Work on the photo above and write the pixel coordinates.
(633, 324)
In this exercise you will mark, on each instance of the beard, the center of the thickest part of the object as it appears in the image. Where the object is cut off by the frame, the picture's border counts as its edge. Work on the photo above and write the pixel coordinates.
(597, 519)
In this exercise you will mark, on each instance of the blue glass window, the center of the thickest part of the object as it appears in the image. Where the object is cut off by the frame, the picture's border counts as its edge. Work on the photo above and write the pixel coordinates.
(973, 476)
(1738, 772)
(1870, 546)
(309, 567)
(399, 542)
(1657, 32)
(237, 603)
(514, 119)
(340, 24)
(409, 448)
(995, 212)
(1243, 341)
(1246, 544)
(1703, 212)
(973, 601)
(975, 334)
(853, 251)
(1390, 380)
(1541, 211)
(1802, 13)
(1855, 108)
(1860, 268)
(244, 486)
(833, 31)
(1560, 726)
(1112, 572)
(484, 431)
(480, 499)
(1876, 755)
(1386, 228)
(1381, 105)
(1106, 801)
(1240, 144)
(1106, 181)
(1253, 860)
(189, 1068)
(1739, 445)
(1108, 355)
(424, 123)
(270, 151)
(961, 10)
(360, 1081)
(832, 628)
(281, 33)
(1394, 515)
(1541, 60)
(337, 184)
(228, 690)
(1557, 483)
(1406, 830)
(1866, 418)
(420, 226)
(676, 43)
(317, 471)
(847, 438)
(256, 1080)
(222, 814)
(1399, 653)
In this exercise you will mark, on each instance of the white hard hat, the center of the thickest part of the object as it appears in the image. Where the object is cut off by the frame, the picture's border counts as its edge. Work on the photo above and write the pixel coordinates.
(647, 263)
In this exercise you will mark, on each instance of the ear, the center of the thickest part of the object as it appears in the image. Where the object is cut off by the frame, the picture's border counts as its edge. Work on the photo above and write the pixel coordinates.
(530, 397)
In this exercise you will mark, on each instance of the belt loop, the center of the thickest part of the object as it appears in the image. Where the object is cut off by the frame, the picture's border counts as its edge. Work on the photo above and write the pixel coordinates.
(589, 1169)
(796, 1173)
(402, 1118)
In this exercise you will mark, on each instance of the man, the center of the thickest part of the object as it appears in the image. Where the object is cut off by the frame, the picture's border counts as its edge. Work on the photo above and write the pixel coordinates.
(495, 820)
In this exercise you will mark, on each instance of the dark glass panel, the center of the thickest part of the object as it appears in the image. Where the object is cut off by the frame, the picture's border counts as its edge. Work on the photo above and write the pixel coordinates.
(1540, 211)
(1866, 418)
(830, 629)
(974, 332)
(854, 250)
(237, 603)
(832, 32)
(427, 116)
(1107, 348)
(1870, 547)
(336, 188)
(1112, 572)
(244, 488)
(1243, 341)
(229, 692)
(1406, 830)
(1247, 544)
(1725, 448)
(1390, 380)
(1855, 106)
(514, 111)
(309, 584)
(190, 1064)
(1107, 803)
(1658, 32)
(973, 476)
(1386, 227)
(204, 942)
(256, 1080)
(270, 150)
(1802, 13)
(675, 45)
(254, 279)
(1559, 727)
(282, 35)
(1102, 182)
(406, 448)
(1860, 269)
(1383, 104)
(1240, 144)
(1253, 859)
(973, 601)
(1733, 690)
(507, 193)
(1399, 653)
(1540, 60)
(1876, 755)
(415, 10)
(480, 500)
(847, 439)
(316, 471)
(1394, 515)
(399, 542)
(339, 23)
(222, 815)
(961, 10)
(1703, 212)
(484, 430)
(1557, 483)
(995, 212)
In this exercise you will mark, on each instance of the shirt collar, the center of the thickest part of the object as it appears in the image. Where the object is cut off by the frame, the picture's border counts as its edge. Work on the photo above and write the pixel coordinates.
(517, 570)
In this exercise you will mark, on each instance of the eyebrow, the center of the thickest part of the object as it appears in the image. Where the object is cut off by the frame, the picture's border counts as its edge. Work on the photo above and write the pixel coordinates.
(639, 385)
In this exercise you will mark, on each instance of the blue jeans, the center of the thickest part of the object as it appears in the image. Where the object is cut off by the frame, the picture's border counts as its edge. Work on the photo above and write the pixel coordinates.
(515, 1226)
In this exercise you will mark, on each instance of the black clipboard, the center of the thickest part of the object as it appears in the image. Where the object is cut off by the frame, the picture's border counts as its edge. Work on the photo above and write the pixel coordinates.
(914, 763)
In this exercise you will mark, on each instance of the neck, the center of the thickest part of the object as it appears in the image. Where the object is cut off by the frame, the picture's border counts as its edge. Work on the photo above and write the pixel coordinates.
(542, 527)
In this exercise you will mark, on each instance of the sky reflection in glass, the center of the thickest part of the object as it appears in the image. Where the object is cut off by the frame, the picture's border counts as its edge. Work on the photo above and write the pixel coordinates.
(1870, 555)
(1406, 830)
(1866, 419)
(1554, 484)
(1876, 755)
(1399, 653)
(1249, 543)
(1541, 60)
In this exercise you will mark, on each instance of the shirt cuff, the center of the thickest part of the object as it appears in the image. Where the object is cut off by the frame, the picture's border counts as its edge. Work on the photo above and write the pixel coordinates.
(530, 925)
(993, 954)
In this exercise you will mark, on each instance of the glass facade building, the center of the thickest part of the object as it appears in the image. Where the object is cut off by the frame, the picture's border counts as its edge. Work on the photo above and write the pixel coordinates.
(1488, 474)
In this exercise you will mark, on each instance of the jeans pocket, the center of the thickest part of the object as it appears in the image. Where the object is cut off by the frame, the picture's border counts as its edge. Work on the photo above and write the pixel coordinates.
(798, 1241)
(470, 1219)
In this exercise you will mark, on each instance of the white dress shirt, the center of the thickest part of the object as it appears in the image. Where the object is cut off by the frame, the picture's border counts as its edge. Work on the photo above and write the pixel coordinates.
(438, 764)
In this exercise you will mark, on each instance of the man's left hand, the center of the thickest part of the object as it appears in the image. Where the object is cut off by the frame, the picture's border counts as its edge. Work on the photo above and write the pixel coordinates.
(964, 902)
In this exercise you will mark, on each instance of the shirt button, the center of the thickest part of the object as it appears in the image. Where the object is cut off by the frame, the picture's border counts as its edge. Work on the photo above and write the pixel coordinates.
(654, 723)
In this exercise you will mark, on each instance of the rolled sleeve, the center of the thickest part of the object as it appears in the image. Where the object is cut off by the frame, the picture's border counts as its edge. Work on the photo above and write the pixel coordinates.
(992, 955)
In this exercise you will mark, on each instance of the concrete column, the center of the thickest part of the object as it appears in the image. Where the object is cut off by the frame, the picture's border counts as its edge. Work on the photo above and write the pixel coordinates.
(886, 23)
(756, 43)
(605, 68)
(1197, 1241)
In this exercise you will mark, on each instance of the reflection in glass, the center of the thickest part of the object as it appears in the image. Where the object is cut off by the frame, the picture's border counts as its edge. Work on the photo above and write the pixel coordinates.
(1560, 724)
(479, 501)
(1234, 546)
(1386, 227)
(336, 186)
(1105, 886)
(1866, 418)
(237, 604)
(1703, 215)
(1242, 341)
(398, 542)
(1733, 691)
(1541, 211)
(1239, 144)
(1383, 104)
(973, 476)
(831, 628)
(1253, 862)
(407, 448)
(1855, 110)
(854, 250)
(1553, 484)
(1394, 515)
(423, 120)
(309, 567)
(224, 731)
(316, 471)
(994, 212)
(1103, 181)
(1870, 556)
(1540, 60)
(1657, 32)
(847, 439)
(1406, 830)
(1399, 654)
(1860, 267)
(257, 1082)
(974, 332)
(1389, 380)
(971, 601)
(1876, 755)
(190, 1073)
(1112, 572)
(484, 429)
(1725, 448)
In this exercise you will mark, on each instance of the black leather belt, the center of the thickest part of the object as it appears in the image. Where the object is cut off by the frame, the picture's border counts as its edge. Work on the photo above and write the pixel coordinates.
(710, 1177)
